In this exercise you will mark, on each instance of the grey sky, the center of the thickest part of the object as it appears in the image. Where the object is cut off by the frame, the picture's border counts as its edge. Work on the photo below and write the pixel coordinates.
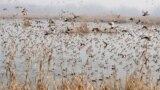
(88, 6)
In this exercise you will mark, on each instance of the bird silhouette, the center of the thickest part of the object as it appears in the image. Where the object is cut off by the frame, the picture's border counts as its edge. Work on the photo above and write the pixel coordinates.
(113, 26)
(145, 13)
(138, 21)
(4, 9)
(144, 27)
(131, 19)
(148, 38)
(95, 30)
(17, 7)
(24, 11)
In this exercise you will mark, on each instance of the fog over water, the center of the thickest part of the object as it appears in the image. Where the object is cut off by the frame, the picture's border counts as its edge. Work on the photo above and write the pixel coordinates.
(123, 7)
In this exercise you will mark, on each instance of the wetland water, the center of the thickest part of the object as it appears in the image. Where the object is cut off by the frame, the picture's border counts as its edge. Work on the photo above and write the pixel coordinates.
(97, 55)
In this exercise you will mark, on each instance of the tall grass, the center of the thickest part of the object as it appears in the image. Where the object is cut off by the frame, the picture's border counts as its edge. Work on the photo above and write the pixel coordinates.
(76, 82)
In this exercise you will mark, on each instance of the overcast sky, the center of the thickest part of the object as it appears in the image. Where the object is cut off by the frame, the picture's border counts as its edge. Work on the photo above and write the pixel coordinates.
(89, 5)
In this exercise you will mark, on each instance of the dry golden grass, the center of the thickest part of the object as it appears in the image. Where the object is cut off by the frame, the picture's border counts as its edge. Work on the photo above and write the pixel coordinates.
(76, 82)
(79, 82)
(83, 28)
(26, 23)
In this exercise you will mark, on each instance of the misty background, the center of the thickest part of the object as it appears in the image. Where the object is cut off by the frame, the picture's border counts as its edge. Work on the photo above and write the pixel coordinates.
(88, 7)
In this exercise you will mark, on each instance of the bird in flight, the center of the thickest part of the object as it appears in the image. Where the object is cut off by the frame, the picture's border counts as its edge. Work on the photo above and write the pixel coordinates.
(113, 26)
(145, 13)
(4, 9)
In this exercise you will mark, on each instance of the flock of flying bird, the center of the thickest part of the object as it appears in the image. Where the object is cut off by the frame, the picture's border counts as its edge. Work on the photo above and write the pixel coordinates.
(97, 55)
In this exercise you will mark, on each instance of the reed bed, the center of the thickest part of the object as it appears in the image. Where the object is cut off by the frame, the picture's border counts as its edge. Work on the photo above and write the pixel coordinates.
(75, 83)
(44, 80)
